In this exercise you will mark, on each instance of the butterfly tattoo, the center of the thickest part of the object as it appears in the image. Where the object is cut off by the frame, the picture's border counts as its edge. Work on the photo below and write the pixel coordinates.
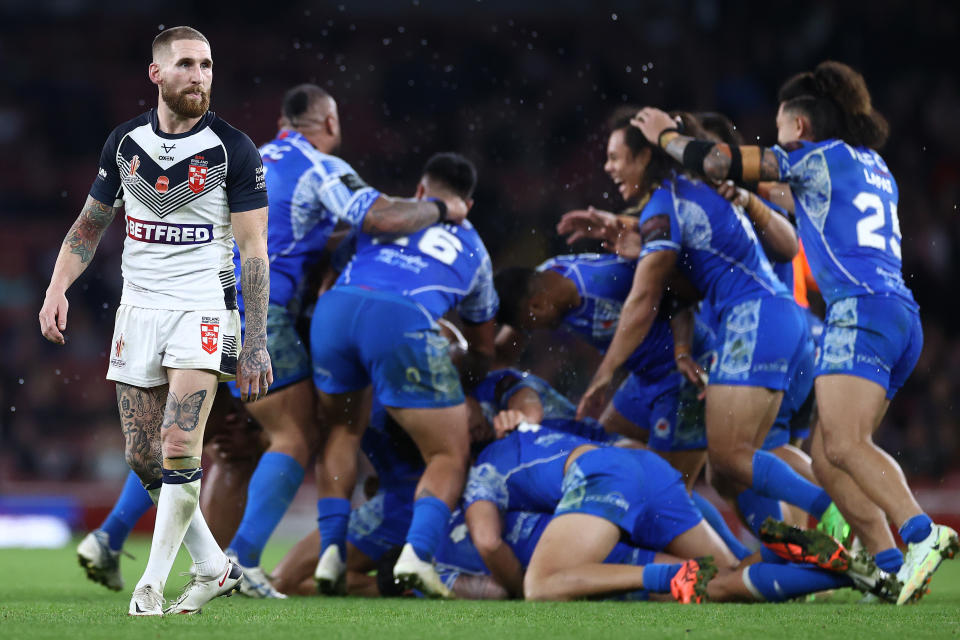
(185, 412)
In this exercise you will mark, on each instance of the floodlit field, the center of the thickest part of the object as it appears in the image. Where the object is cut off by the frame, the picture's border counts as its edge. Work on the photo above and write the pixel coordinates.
(44, 594)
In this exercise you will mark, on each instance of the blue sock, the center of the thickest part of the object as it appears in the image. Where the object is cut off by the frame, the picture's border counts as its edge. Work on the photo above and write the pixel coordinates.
(781, 582)
(429, 524)
(890, 560)
(134, 501)
(768, 556)
(272, 487)
(916, 529)
(656, 577)
(715, 520)
(333, 518)
(757, 508)
(774, 478)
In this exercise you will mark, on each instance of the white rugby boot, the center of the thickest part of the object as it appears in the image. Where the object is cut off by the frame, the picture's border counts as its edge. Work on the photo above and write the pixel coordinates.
(146, 601)
(201, 590)
(101, 563)
(331, 573)
(413, 573)
(923, 558)
(255, 582)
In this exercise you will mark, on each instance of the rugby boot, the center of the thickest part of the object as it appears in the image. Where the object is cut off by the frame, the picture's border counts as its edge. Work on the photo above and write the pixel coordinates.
(922, 559)
(146, 601)
(413, 573)
(201, 590)
(331, 573)
(101, 563)
(689, 585)
(804, 545)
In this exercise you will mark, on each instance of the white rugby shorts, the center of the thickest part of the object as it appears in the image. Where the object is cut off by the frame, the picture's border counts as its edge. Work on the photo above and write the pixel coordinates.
(146, 342)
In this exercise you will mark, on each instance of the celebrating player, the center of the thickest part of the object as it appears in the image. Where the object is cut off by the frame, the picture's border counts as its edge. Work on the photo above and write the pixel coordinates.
(189, 183)
(846, 206)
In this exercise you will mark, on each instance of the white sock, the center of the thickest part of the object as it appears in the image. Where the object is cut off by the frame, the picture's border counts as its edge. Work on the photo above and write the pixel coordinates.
(208, 558)
(175, 507)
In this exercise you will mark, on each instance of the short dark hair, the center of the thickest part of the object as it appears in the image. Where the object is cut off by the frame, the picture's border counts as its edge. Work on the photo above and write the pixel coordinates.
(299, 99)
(454, 171)
(513, 285)
(165, 37)
(836, 100)
(720, 127)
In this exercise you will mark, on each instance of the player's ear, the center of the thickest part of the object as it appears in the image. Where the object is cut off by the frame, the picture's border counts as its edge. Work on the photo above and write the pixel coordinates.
(469, 202)
(153, 72)
(330, 124)
(804, 128)
(420, 192)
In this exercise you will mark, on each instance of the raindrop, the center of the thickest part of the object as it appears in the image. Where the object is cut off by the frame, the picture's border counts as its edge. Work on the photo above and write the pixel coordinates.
(161, 27)
(614, 17)
(105, 305)
(646, 80)
(401, 29)
(296, 45)
(629, 68)
(387, 41)
(63, 194)
(56, 371)
(13, 409)
(142, 102)
(20, 381)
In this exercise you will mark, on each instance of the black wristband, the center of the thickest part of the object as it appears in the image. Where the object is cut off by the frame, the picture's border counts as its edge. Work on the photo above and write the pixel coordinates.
(660, 137)
(442, 206)
(694, 153)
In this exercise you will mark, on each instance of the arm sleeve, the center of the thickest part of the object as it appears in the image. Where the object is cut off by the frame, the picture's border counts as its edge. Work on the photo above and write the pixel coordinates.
(343, 192)
(659, 225)
(481, 303)
(106, 187)
(246, 182)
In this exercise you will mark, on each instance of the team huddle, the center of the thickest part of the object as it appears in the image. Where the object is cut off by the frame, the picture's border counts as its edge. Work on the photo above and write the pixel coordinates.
(283, 312)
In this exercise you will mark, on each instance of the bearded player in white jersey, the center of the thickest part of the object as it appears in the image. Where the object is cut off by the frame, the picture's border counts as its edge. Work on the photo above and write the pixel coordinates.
(189, 184)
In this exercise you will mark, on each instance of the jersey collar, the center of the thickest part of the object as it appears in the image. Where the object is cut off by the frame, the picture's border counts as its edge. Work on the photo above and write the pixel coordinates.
(201, 123)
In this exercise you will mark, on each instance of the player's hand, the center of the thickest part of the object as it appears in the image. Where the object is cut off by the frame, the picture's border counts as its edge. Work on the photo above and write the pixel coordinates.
(456, 209)
(628, 243)
(507, 420)
(733, 193)
(53, 317)
(595, 397)
(694, 373)
(254, 372)
(652, 122)
(588, 223)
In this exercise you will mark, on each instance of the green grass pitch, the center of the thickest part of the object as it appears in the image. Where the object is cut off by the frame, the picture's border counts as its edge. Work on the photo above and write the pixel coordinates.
(44, 594)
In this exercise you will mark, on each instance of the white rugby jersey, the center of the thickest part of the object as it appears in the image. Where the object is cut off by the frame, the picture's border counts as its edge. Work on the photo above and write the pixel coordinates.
(178, 191)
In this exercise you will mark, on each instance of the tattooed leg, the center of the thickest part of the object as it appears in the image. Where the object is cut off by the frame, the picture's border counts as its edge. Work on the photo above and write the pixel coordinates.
(188, 404)
(141, 412)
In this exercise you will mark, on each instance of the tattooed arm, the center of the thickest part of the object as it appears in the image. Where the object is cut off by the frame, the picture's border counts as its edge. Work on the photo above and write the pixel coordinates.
(75, 254)
(254, 372)
(716, 161)
(398, 216)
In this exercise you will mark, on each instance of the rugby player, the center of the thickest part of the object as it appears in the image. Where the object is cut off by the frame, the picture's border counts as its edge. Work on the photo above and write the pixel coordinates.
(377, 327)
(846, 205)
(189, 184)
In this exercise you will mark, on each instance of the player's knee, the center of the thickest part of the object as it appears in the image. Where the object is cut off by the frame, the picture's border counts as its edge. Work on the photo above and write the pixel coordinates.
(179, 447)
(536, 587)
(728, 457)
(837, 449)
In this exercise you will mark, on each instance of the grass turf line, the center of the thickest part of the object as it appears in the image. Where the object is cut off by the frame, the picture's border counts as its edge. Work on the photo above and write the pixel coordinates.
(44, 594)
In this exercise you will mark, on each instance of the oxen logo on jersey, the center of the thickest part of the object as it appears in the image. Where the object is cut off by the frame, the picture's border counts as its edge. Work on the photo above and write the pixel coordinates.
(131, 176)
(163, 183)
(209, 334)
(197, 174)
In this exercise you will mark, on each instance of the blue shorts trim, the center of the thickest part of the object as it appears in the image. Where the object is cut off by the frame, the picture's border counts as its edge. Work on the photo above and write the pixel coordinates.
(635, 490)
(878, 338)
(760, 343)
(360, 337)
(288, 353)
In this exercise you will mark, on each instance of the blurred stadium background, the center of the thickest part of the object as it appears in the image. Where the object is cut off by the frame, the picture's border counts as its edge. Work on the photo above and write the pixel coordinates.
(522, 87)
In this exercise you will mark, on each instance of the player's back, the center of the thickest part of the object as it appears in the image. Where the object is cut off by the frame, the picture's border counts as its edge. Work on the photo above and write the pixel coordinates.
(718, 249)
(846, 205)
(603, 282)
(309, 192)
(440, 267)
(522, 471)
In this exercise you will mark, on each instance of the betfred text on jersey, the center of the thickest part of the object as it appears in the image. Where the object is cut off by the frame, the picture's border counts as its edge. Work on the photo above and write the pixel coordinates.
(164, 233)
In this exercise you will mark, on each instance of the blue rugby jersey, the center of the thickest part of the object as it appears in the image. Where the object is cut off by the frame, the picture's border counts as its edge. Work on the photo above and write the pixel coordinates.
(603, 282)
(846, 208)
(522, 471)
(441, 267)
(309, 192)
(495, 390)
(718, 249)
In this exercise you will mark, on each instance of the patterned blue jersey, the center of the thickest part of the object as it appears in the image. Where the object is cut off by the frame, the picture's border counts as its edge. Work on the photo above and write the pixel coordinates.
(718, 249)
(495, 390)
(846, 207)
(523, 471)
(309, 192)
(603, 282)
(442, 267)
